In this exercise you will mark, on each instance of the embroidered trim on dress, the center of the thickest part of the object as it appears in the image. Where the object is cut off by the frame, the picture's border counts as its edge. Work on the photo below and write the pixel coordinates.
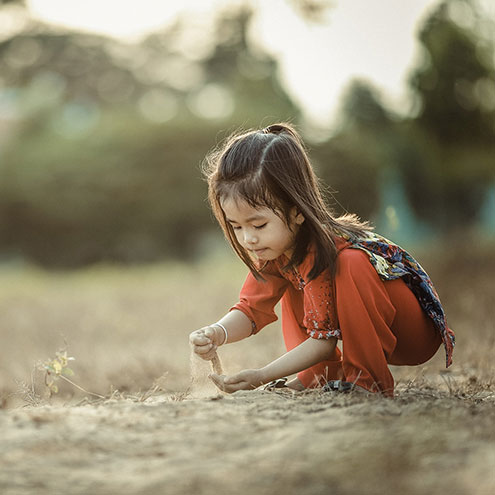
(318, 334)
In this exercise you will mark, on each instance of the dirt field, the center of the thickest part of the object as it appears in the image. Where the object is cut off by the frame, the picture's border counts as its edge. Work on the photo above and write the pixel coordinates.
(156, 432)
(253, 442)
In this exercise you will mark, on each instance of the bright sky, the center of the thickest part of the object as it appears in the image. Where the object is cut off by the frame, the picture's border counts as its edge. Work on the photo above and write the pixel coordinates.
(370, 39)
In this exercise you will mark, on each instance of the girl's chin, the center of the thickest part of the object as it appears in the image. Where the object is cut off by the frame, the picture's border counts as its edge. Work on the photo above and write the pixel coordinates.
(264, 254)
(268, 255)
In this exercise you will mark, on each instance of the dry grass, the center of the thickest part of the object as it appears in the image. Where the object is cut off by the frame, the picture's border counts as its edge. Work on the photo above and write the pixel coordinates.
(125, 328)
(155, 432)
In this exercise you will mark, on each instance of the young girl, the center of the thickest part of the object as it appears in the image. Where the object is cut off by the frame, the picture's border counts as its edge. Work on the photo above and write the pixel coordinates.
(336, 278)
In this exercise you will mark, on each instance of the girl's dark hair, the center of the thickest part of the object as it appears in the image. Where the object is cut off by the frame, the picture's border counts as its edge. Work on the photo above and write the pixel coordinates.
(270, 168)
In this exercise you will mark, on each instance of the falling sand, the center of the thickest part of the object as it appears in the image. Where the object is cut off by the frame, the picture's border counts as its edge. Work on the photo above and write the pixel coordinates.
(201, 385)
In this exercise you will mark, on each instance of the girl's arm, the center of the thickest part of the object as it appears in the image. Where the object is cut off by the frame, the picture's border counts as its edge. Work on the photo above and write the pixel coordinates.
(237, 324)
(206, 340)
(253, 312)
(305, 355)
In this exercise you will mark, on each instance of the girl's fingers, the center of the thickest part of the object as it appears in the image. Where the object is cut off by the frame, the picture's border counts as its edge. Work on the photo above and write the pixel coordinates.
(210, 332)
(200, 339)
(210, 355)
(205, 352)
(234, 387)
(220, 382)
(201, 349)
(237, 378)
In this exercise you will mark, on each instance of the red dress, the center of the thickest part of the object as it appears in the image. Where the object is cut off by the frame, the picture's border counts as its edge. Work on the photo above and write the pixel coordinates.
(379, 322)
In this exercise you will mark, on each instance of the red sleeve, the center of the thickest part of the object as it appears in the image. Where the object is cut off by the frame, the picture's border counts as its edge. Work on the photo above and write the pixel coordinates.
(320, 315)
(258, 298)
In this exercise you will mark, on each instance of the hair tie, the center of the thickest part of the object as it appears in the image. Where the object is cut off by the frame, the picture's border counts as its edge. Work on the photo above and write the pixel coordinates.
(274, 129)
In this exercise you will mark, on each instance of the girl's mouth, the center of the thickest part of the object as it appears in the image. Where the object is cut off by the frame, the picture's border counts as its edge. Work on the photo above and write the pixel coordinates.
(259, 251)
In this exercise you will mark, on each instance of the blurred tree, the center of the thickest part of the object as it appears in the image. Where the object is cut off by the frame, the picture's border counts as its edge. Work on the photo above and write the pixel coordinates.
(442, 157)
(104, 161)
(456, 82)
(454, 131)
(351, 161)
(363, 110)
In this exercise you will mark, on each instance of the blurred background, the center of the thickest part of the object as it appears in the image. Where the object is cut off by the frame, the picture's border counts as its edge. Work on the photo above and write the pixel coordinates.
(107, 110)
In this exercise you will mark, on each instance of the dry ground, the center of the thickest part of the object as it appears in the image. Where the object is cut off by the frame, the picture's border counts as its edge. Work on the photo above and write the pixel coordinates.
(155, 432)
(253, 442)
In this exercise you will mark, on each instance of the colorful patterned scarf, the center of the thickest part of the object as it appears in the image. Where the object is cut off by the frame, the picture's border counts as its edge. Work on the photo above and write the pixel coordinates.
(392, 262)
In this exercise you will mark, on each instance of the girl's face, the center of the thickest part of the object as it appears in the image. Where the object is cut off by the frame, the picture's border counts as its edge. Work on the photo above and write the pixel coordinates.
(260, 230)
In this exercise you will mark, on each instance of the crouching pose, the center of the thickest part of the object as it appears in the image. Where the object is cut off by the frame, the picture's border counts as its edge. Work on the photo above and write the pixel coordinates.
(335, 277)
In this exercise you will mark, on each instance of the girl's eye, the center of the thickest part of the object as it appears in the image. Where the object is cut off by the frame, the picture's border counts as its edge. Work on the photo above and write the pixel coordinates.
(235, 227)
(258, 227)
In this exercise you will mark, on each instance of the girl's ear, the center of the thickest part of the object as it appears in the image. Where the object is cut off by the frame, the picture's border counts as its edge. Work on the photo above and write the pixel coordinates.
(296, 216)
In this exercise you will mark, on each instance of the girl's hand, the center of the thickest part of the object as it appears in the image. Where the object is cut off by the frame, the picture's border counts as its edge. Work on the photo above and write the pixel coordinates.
(244, 380)
(206, 340)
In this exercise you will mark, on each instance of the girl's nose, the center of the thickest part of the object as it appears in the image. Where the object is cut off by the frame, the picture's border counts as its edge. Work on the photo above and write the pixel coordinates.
(249, 238)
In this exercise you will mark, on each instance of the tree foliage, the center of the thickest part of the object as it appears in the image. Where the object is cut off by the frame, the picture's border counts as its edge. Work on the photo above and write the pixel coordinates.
(101, 142)
(105, 161)
(445, 154)
(454, 131)
(455, 83)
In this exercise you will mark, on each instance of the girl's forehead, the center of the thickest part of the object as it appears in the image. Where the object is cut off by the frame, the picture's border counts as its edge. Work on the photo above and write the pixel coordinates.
(240, 209)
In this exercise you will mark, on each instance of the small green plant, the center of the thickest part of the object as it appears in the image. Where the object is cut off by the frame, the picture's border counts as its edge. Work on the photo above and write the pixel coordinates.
(57, 368)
